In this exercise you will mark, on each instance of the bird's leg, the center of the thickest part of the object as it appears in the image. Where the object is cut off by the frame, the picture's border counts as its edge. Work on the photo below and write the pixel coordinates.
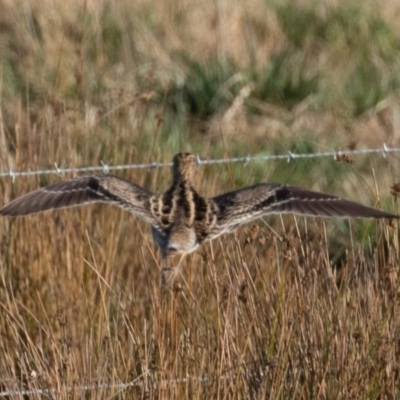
(170, 270)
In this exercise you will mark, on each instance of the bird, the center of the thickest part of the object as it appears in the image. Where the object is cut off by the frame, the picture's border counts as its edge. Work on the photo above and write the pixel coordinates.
(181, 219)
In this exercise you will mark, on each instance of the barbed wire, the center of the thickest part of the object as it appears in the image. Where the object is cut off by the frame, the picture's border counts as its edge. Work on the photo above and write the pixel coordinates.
(106, 168)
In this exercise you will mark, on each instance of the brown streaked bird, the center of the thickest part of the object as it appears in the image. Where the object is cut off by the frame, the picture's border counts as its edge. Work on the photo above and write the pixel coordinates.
(181, 219)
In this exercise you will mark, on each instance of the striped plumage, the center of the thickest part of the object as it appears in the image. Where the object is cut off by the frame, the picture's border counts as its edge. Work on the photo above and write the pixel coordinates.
(181, 219)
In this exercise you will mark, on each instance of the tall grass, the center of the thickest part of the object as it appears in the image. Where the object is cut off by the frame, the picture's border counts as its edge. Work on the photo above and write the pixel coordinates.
(287, 307)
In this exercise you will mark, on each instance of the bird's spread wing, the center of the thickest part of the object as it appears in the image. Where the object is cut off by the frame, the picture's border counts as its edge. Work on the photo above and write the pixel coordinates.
(88, 189)
(252, 202)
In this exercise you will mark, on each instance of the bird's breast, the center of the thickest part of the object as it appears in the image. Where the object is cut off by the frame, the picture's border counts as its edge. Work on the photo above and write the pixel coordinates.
(179, 239)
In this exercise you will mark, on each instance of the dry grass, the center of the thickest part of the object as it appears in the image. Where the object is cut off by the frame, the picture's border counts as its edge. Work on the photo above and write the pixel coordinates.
(292, 309)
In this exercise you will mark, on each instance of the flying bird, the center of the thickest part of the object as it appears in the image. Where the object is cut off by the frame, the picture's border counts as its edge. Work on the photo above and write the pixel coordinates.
(181, 219)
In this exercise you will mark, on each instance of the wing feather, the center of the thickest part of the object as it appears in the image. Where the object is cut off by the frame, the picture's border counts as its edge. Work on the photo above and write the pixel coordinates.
(84, 190)
(252, 202)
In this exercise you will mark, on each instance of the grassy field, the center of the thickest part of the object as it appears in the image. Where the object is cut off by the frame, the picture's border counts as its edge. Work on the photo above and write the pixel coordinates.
(285, 308)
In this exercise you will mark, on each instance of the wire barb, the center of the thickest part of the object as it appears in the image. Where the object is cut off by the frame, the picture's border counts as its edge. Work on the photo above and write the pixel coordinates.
(198, 160)
(57, 169)
(11, 174)
(290, 156)
(106, 166)
(385, 150)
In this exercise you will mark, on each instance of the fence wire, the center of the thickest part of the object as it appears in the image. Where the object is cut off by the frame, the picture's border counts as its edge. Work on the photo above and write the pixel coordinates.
(289, 156)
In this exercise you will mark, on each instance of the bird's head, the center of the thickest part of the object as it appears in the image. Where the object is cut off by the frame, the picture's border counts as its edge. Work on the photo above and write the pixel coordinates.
(184, 166)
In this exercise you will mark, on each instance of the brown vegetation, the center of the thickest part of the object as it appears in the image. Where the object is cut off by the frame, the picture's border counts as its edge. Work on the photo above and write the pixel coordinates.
(284, 308)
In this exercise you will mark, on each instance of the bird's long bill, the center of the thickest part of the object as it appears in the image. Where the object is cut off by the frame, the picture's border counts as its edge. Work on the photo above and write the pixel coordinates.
(170, 269)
